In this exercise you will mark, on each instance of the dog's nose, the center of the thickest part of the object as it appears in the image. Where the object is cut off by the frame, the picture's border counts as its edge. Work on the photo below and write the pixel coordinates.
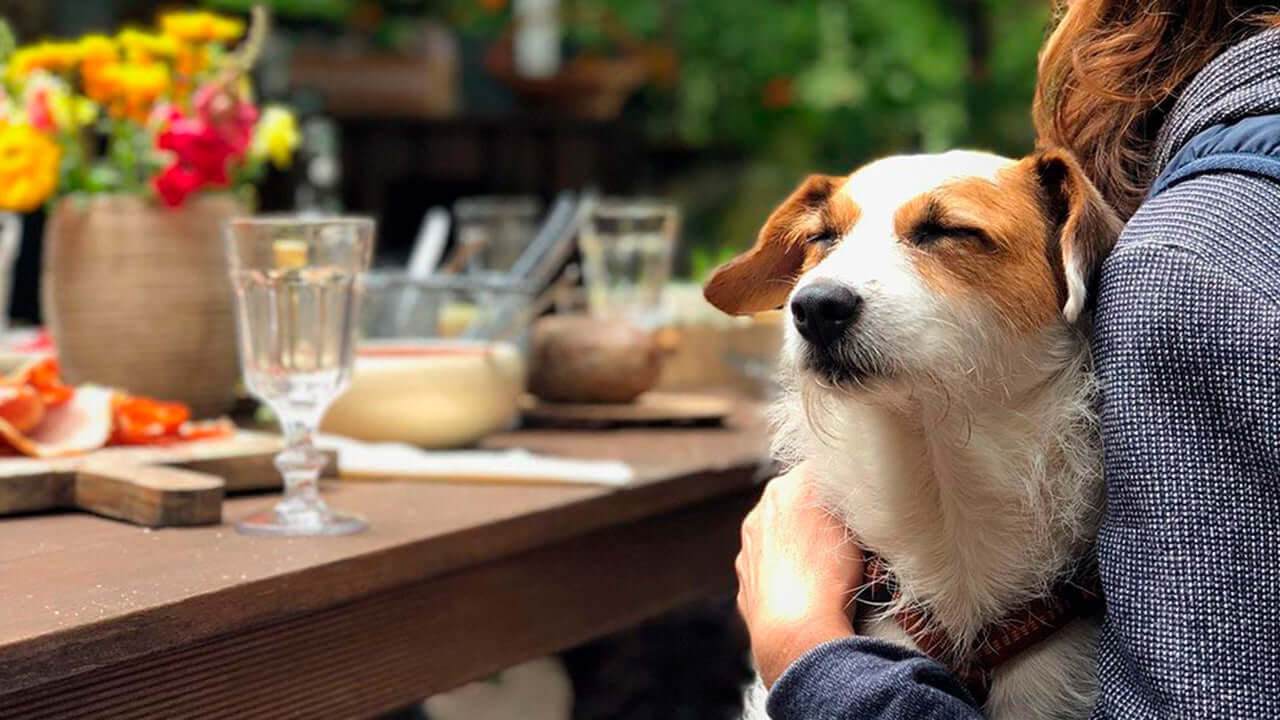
(822, 311)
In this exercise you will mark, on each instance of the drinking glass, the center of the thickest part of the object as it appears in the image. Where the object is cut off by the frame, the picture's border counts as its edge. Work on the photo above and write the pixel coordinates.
(497, 227)
(627, 247)
(298, 286)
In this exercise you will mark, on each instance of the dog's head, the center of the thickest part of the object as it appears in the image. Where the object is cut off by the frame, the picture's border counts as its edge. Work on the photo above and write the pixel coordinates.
(925, 266)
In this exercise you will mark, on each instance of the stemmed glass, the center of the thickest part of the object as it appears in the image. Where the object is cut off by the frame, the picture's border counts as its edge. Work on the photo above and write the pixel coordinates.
(298, 286)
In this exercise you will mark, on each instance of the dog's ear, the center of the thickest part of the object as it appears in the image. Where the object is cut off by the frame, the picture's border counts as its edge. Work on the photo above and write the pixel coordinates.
(761, 278)
(1083, 227)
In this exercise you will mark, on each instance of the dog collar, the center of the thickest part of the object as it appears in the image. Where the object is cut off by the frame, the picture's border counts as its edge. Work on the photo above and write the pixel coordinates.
(1078, 596)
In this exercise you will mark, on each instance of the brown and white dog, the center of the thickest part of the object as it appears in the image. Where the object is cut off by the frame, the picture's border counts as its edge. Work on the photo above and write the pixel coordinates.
(937, 378)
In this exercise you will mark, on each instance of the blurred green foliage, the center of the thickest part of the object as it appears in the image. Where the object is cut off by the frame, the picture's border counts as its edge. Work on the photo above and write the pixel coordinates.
(770, 90)
(331, 10)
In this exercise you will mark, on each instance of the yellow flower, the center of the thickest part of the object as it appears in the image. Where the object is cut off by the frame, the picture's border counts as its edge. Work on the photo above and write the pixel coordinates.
(195, 26)
(71, 111)
(52, 56)
(275, 137)
(140, 87)
(28, 167)
(97, 49)
(144, 47)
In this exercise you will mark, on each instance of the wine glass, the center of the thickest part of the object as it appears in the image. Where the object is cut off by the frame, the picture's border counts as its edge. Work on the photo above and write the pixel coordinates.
(298, 286)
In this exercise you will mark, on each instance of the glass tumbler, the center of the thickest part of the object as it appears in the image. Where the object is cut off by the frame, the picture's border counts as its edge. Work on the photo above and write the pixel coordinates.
(298, 286)
(493, 230)
(627, 247)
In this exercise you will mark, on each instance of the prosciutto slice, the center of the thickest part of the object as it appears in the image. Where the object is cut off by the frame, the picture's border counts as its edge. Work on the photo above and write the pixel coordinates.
(80, 424)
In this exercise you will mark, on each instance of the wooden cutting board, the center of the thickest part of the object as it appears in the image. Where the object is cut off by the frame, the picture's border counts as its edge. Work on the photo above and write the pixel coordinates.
(150, 486)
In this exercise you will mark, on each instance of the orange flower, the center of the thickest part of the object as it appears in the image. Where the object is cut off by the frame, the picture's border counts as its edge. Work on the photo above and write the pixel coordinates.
(135, 88)
(97, 55)
(778, 93)
(191, 60)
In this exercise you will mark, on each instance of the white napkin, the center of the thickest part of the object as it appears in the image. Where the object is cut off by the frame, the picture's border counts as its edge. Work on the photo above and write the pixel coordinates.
(358, 459)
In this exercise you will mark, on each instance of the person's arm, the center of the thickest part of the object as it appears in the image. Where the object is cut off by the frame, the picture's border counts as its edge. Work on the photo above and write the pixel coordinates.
(863, 678)
(796, 574)
(1188, 357)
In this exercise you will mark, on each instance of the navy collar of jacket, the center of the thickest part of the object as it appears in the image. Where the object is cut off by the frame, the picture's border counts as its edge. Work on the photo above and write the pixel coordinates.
(1242, 82)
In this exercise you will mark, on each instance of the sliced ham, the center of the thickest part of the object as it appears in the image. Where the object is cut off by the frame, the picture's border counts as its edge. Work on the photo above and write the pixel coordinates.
(80, 424)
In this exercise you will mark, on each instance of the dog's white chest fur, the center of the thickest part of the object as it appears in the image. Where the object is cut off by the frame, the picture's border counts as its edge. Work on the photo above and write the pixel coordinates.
(977, 509)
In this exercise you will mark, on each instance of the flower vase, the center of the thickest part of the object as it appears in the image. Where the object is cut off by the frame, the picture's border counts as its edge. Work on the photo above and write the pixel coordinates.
(136, 296)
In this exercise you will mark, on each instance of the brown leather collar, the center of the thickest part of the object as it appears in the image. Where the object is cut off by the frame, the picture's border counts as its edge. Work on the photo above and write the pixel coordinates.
(1075, 597)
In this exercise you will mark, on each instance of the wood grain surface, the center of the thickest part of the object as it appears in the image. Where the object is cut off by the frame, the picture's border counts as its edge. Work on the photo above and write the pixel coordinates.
(452, 582)
(654, 407)
(150, 486)
(149, 495)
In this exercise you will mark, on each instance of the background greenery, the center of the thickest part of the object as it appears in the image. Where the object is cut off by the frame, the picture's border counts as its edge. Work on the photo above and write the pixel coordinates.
(765, 91)
(769, 90)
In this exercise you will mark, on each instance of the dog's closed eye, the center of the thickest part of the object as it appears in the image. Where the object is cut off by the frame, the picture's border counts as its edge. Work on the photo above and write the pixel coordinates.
(931, 232)
(925, 223)
(826, 238)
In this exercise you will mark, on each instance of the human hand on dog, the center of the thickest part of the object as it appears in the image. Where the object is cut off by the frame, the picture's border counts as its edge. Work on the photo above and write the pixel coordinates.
(796, 573)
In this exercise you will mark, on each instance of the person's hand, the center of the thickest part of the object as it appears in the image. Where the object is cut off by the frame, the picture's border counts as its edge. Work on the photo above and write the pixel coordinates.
(797, 571)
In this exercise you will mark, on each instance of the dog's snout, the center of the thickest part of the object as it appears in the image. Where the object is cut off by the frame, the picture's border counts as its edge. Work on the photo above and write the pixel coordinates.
(822, 311)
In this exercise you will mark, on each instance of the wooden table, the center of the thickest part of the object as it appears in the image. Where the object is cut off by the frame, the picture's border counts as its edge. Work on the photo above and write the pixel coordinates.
(103, 619)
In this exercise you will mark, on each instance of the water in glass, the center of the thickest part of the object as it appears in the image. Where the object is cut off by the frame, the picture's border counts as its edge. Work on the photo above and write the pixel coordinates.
(298, 285)
(296, 330)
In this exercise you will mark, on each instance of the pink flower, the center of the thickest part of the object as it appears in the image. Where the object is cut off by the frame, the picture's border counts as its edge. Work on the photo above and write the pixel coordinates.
(161, 115)
(38, 112)
(229, 115)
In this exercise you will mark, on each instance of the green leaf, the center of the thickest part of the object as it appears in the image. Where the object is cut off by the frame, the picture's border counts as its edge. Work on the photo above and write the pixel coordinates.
(102, 178)
(8, 43)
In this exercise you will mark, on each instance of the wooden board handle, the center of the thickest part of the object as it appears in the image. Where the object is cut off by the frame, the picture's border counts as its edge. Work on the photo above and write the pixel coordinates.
(149, 495)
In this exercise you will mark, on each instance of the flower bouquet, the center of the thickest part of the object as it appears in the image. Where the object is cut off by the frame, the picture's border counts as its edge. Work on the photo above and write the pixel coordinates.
(140, 144)
(169, 111)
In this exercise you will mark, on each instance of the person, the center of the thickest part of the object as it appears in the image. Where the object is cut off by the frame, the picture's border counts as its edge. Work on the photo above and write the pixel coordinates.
(1173, 108)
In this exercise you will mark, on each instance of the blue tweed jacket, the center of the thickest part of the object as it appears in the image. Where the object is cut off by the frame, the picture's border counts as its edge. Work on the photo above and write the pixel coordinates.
(1187, 347)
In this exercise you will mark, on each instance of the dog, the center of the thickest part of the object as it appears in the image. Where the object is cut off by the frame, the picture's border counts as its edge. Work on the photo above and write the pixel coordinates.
(936, 377)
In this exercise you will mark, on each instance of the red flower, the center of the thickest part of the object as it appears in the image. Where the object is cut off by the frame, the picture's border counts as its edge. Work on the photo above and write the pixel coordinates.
(203, 143)
(197, 145)
(176, 182)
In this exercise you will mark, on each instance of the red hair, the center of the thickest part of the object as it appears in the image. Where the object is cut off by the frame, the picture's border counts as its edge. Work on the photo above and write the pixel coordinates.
(1111, 70)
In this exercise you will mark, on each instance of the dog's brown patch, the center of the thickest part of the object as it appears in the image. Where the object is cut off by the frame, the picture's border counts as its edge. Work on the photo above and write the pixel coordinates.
(1086, 227)
(790, 243)
(976, 235)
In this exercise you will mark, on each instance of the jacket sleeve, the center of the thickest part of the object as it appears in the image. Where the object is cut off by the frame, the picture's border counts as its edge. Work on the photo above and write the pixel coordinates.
(1188, 356)
(868, 679)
